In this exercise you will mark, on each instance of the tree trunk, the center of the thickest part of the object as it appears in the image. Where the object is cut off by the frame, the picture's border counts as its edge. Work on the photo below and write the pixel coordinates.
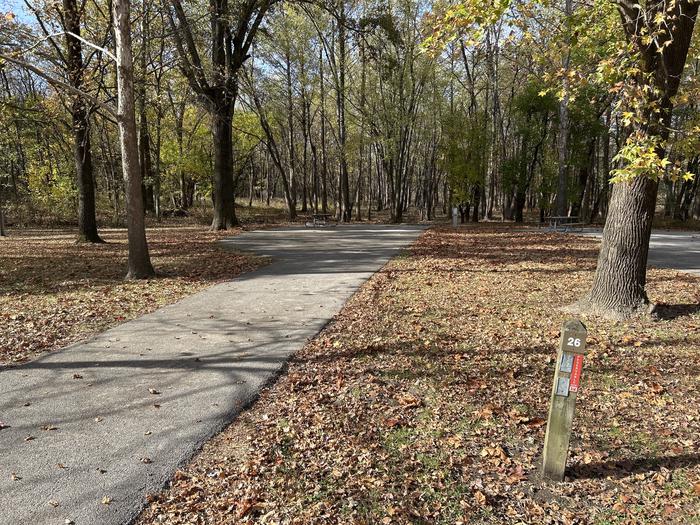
(82, 151)
(144, 135)
(620, 278)
(87, 220)
(520, 198)
(324, 153)
(691, 191)
(291, 195)
(224, 201)
(139, 261)
(602, 201)
(3, 233)
(156, 185)
(563, 132)
(477, 199)
(344, 180)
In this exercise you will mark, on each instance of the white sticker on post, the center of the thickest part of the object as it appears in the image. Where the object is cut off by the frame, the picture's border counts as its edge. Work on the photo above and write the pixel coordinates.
(563, 387)
(567, 362)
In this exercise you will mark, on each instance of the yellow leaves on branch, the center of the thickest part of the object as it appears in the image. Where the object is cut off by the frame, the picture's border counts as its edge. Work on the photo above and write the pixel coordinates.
(639, 157)
(467, 18)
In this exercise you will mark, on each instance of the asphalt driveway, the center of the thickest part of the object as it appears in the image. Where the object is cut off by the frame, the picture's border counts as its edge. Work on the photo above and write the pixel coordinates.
(92, 429)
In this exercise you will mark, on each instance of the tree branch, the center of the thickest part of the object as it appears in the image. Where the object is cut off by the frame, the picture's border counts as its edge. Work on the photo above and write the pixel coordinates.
(59, 84)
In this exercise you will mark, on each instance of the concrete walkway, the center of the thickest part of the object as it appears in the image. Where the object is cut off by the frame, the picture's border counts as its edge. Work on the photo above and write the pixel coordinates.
(97, 426)
(678, 250)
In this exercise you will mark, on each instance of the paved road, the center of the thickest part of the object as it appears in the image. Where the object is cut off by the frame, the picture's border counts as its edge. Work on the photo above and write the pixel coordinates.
(83, 425)
(679, 250)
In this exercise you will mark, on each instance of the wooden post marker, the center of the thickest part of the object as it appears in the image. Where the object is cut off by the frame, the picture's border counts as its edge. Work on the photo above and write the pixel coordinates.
(567, 378)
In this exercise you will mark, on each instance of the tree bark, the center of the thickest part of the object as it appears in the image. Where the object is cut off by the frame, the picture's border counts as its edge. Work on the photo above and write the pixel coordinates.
(3, 233)
(344, 180)
(139, 261)
(620, 278)
(224, 202)
(233, 28)
(82, 151)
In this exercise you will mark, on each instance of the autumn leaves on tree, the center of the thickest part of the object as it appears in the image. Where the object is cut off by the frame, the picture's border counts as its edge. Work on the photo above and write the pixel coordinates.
(639, 79)
(660, 33)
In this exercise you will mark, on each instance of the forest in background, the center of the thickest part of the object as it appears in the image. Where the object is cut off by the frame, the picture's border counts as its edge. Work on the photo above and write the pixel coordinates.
(337, 107)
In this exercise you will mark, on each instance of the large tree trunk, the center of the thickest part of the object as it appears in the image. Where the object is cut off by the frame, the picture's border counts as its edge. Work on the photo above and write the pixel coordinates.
(620, 278)
(139, 261)
(87, 220)
(224, 203)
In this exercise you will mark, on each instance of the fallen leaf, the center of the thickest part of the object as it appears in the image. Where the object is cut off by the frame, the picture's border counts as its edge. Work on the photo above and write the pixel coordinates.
(536, 422)
(656, 387)
(516, 476)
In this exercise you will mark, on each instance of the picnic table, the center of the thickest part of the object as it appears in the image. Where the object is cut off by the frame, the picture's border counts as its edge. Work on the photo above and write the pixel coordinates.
(319, 220)
(565, 221)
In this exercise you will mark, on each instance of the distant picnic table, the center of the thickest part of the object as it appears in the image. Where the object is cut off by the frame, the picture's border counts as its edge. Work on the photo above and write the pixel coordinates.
(565, 222)
(319, 219)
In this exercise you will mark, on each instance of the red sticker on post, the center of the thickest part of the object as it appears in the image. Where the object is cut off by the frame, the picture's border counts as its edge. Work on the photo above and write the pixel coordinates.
(576, 369)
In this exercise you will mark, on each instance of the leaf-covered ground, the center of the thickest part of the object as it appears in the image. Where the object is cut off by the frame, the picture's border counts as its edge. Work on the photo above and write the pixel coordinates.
(425, 402)
(54, 292)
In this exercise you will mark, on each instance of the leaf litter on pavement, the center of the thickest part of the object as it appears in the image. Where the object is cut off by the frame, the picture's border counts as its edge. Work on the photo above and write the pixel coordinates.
(425, 401)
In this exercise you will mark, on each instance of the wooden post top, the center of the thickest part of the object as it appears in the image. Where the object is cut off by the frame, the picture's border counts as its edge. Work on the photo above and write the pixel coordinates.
(573, 337)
